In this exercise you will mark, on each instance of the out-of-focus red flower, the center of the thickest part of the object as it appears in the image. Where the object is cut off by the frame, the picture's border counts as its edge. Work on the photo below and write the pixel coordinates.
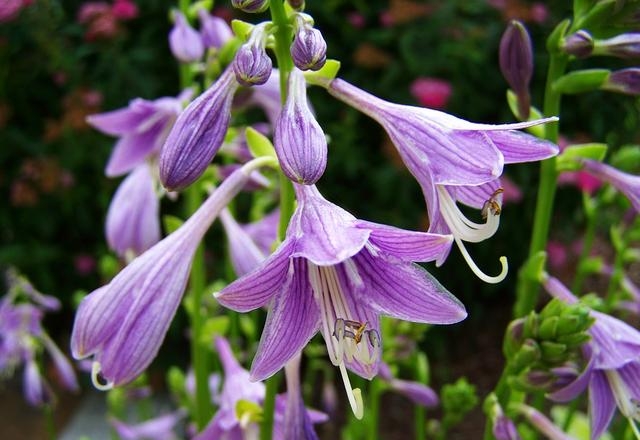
(539, 13)
(557, 254)
(102, 19)
(511, 192)
(9, 9)
(84, 264)
(431, 92)
(124, 10)
(356, 20)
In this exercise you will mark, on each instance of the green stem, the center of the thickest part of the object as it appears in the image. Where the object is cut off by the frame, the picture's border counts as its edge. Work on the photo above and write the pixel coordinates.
(419, 413)
(373, 410)
(527, 291)
(266, 428)
(617, 274)
(587, 243)
(49, 422)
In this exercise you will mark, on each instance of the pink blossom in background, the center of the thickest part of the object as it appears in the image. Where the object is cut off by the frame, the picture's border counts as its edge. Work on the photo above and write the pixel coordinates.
(431, 92)
(557, 254)
(9, 9)
(124, 9)
(386, 19)
(356, 20)
(511, 192)
(580, 179)
(84, 264)
(103, 18)
(538, 13)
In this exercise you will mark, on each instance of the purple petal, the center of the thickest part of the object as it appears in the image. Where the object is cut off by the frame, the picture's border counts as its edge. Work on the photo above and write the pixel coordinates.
(258, 287)
(406, 291)
(245, 254)
(133, 222)
(615, 342)
(185, 42)
(214, 31)
(62, 365)
(601, 404)
(407, 245)
(36, 390)
(517, 147)
(159, 428)
(132, 149)
(292, 321)
(577, 386)
(297, 424)
(84, 339)
(475, 196)
(123, 121)
(326, 234)
(626, 183)
(213, 431)
(419, 394)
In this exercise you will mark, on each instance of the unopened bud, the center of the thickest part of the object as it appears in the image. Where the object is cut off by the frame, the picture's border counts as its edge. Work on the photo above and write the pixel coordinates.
(625, 81)
(251, 64)
(308, 50)
(214, 31)
(184, 41)
(621, 46)
(251, 6)
(579, 44)
(516, 63)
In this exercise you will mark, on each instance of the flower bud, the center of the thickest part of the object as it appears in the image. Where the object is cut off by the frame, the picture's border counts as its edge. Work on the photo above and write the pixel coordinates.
(184, 41)
(625, 81)
(579, 44)
(251, 6)
(296, 5)
(251, 64)
(621, 46)
(516, 63)
(197, 134)
(299, 141)
(308, 50)
(214, 31)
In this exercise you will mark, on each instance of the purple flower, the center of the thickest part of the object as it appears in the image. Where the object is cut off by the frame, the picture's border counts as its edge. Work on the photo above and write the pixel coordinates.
(625, 81)
(159, 428)
(251, 64)
(197, 134)
(337, 274)
(418, 393)
(516, 63)
(543, 424)
(184, 41)
(299, 141)
(244, 252)
(613, 370)
(453, 160)
(123, 323)
(133, 224)
(142, 128)
(579, 44)
(308, 50)
(628, 184)
(214, 31)
(622, 46)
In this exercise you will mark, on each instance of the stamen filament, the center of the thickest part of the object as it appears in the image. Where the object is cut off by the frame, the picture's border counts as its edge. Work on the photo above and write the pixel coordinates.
(476, 270)
(96, 378)
(354, 395)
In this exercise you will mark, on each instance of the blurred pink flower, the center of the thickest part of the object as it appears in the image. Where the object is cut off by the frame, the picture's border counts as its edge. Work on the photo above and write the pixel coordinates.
(580, 179)
(9, 9)
(538, 12)
(356, 20)
(511, 192)
(431, 92)
(557, 254)
(84, 264)
(124, 9)
(103, 18)
(386, 19)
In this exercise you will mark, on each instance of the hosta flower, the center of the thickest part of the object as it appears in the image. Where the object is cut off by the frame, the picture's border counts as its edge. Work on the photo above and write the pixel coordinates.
(214, 31)
(133, 223)
(453, 160)
(158, 428)
(123, 323)
(251, 64)
(337, 274)
(244, 253)
(142, 128)
(308, 50)
(184, 41)
(417, 392)
(626, 183)
(613, 370)
(516, 63)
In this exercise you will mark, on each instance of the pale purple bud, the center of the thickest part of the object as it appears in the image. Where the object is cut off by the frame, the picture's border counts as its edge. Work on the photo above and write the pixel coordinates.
(418, 393)
(625, 81)
(251, 6)
(505, 429)
(184, 41)
(297, 423)
(626, 183)
(308, 50)
(62, 365)
(622, 46)
(133, 223)
(214, 31)
(123, 324)
(36, 390)
(198, 134)
(299, 141)
(251, 64)
(579, 44)
(516, 63)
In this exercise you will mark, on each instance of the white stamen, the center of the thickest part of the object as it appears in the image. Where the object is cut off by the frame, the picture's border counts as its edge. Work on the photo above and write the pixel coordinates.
(354, 395)
(95, 371)
(476, 270)
(628, 406)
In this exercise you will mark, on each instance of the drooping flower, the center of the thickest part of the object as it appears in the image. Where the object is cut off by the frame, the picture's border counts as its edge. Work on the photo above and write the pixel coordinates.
(626, 183)
(251, 64)
(299, 141)
(123, 323)
(626, 81)
(158, 428)
(337, 274)
(453, 160)
(133, 223)
(516, 63)
(612, 373)
(184, 41)
(417, 392)
(214, 31)
(308, 50)
(623, 46)
(142, 128)
(197, 134)
(543, 424)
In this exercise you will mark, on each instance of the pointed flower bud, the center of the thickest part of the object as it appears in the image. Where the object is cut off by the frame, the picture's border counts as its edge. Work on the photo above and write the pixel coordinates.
(198, 134)
(214, 31)
(299, 141)
(252, 65)
(621, 46)
(184, 41)
(308, 50)
(579, 44)
(625, 81)
(516, 63)
(251, 6)
(133, 224)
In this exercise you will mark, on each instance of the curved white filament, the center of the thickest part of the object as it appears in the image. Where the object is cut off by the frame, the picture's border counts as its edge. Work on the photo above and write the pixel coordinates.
(476, 270)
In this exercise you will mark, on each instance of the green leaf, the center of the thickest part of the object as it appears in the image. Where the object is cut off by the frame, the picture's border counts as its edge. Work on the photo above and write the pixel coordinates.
(568, 160)
(325, 75)
(171, 223)
(259, 144)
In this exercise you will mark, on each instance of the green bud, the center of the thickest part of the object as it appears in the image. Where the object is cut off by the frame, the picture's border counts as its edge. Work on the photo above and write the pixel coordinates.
(548, 328)
(581, 81)
(530, 326)
(569, 160)
(574, 340)
(553, 352)
(176, 381)
(528, 354)
(457, 400)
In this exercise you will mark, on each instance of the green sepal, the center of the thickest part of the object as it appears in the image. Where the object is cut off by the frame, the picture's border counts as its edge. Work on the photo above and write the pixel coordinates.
(212, 327)
(557, 35)
(171, 223)
(581, 81)
(325, 75)
(528, 354)
(259, 145)
(534, 113)
(574, 340)
(569, 159)
(533, 268)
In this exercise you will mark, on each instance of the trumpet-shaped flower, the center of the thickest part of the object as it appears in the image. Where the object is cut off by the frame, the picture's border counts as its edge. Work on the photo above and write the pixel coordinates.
(626, 183)
(159, 428)
(337, 274)
(142, 128)
(184, 41)
(453, 160)
(613, 370)
(123, 323)
(197, 134)
(214, 31)
(133, 224)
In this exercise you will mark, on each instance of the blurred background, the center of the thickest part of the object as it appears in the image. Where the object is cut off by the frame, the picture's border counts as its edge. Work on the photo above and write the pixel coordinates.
(63, 60)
